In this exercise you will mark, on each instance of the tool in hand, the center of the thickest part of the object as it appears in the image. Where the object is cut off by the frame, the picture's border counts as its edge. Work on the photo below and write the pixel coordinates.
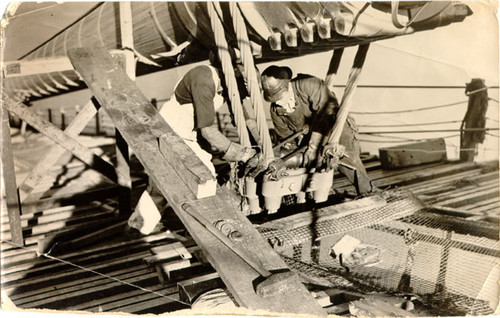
(273, 283)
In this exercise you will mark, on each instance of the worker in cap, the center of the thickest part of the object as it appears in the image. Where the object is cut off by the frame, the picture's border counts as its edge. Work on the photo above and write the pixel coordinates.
(191, 112)
(304, 103)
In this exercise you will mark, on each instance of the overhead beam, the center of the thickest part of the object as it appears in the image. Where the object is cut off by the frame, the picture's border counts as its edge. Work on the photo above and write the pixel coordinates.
(42, 65)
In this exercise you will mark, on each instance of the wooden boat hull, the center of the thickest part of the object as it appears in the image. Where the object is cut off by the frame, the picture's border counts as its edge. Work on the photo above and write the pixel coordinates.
(277, 30)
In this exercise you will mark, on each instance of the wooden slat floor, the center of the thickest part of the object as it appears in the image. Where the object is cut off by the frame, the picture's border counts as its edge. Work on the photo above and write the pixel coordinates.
(111, 275)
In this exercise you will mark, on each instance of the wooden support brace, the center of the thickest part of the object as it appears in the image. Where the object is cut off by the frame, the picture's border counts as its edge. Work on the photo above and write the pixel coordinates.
(53, 154)
(9, 182)
(55, 134)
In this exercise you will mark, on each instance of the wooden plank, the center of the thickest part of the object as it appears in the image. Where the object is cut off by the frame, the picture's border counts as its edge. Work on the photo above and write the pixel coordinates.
(59, 137)
(141, 126)
(471, 198)
(413, 154)
(43, 265)
(116, 303)
(95, 283)
(70, 298)
(203, 184)
(29, 284)
(330, 212)
(222, 207)
(41, 65)
(37, 66)
(191, 288)
(135, 116)
(9, 181)
(53, 154)
(121, 149)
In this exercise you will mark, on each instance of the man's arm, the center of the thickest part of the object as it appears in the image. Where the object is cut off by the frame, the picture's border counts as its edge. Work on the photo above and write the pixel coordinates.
(323, 103)
(232, 151)
(280, 126)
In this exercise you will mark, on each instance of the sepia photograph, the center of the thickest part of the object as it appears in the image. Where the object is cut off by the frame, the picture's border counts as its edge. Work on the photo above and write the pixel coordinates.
(257, 158)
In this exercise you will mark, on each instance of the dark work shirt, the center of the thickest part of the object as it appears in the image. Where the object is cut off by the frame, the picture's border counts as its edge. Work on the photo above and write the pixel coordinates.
(197, 87)
(312, 98)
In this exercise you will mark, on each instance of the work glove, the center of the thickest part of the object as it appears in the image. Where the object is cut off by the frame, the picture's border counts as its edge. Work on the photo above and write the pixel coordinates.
(276, 170)
(255, 165)
(237, 152)
(332, 153)
(311, 153)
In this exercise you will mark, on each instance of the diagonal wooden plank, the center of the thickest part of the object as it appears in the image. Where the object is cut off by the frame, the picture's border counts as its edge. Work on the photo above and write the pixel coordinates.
(55, 134)
(53, 154)
(141, 125)
(8, 174)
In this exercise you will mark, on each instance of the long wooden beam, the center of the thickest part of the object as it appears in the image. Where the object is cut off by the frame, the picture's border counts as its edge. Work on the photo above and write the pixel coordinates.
(121, 147)
(141, 125)
(9, 181)
(55, 134)
(53, 154)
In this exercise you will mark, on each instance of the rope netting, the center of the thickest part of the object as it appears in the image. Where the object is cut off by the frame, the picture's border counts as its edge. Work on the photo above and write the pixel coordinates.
(450, 265)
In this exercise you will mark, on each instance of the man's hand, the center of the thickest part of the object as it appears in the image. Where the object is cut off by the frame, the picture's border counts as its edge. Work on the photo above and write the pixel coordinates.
(276, 170)
(334, 150)
(237, 152)
(332, 153)
(255, 165)
(310, 156)
(248, 154)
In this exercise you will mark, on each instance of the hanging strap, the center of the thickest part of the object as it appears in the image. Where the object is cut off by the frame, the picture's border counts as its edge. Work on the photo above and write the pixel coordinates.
(394, 15)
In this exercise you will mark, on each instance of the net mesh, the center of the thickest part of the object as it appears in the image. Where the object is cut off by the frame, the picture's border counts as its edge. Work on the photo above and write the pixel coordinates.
(451, 265)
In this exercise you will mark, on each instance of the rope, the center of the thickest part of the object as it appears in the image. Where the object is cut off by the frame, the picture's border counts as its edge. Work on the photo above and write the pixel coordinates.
(230, 79)
(493, 135)
(425, 131)
(333, 67)
(345, 105)
(408, 139)
(477, 91)
(394, 15)
(419, 124)
(411, 110)
(493, 99)
(252, 82)
(46, 255)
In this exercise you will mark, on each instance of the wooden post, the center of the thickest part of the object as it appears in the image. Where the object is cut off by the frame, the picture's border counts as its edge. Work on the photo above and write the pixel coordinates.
(122, 149)
(475, 117)
(9, 179)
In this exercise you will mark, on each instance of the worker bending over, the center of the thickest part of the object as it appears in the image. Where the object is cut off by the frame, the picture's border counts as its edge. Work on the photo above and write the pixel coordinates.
(305, 103)
(191, 110)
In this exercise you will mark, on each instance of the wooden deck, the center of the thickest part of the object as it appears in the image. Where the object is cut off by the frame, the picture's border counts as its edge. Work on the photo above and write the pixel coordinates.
(111, 275)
